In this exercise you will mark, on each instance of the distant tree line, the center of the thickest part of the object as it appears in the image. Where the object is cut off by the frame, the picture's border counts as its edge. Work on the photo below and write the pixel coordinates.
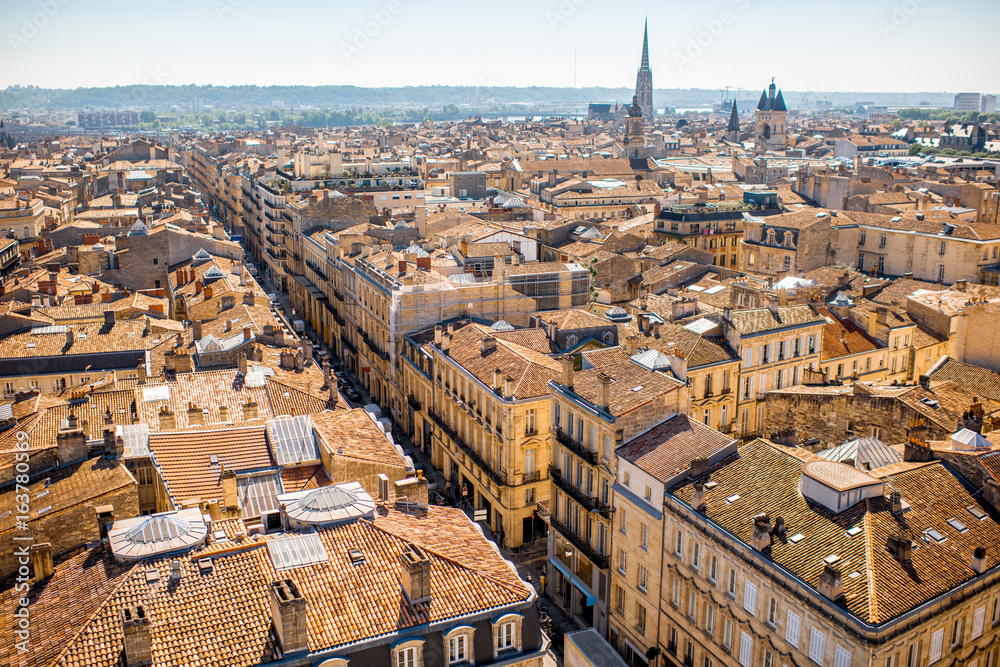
(345, 97)
(949, 115)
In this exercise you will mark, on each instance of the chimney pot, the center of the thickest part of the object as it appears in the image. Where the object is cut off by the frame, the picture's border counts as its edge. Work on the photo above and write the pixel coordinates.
(415, 574)
(136, 636)
(288, 611)
(568, 363)
(979, 563)
(41, 561)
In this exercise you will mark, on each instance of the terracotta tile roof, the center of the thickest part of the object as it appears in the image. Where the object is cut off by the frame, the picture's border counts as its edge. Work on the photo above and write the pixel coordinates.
(303, 477)
(183, 459)
(68, 487)
(77, 591)
(762, 319)
(609, 356)
(668, 449)
(567, 320)
(358, 435)
(884, 588)
(632, 386)
(530, 370)
(127, 335)
(843, 337)
(979, 381)
(224, 616)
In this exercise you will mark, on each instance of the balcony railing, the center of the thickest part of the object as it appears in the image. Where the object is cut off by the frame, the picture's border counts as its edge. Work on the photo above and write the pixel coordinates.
(566, 486)
(348, 344)
(338, 296)
(581, 545)
(373, 347)
(414, 402)
(572, 445)
(529, 477)
(337, 318)
(467, 450)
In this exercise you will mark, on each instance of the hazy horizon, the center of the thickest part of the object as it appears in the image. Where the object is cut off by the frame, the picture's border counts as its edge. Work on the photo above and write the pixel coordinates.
(565, 43)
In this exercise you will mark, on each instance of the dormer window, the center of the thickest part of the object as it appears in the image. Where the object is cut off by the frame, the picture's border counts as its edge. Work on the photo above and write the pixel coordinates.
(458, 643)
(507, 634)
(408, 653)
(770, 236)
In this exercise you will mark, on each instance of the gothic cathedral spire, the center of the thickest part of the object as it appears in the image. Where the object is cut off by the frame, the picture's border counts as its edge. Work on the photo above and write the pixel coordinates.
(644, 79)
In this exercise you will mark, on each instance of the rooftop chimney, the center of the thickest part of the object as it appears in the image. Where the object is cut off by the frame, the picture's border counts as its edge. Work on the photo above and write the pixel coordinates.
(41, 561)
(288, 611)
(979, 562)
(508, 388)
(136, 636)
(603, 391)
(198, 332)
(445, 342)
(489, 344)
(698, 501)
(109, 318)
(383, 488)
(105, 518)
(415, 574)
(831, 583)
(71, 443)
(568, 362)
(497, 379)
(167, 420)
(250, 411)
(900, 547)
(632, 345)
(760, 537)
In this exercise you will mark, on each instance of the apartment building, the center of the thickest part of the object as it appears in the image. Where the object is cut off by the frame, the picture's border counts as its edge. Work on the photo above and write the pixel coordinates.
(776, 344)
(595, 411)
(678, 448)
(827, 564)
(478, 399)
(910, 244)
(702, 358)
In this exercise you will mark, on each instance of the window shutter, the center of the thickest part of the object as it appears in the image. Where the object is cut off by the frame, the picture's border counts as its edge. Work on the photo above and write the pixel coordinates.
(750, 596)
(937, 639)
(770, 351)
(792, 627)
(842, 657)
(817, 646)
(746, 649)
(977, 622)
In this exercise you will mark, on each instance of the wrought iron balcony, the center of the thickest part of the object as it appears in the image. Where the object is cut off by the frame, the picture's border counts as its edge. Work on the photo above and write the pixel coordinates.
(348, 344)
(338, 296)
(529, 477)
(588, 502)
(469, 451)
(414, 402)
(572, 445)
(581, 545)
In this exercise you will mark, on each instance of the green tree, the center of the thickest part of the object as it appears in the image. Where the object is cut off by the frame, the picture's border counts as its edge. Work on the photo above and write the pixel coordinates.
(146, 116)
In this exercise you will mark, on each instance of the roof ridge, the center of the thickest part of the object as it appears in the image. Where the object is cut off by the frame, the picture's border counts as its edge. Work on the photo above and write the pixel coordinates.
(449, 559)
(98, 610)
(870, 565)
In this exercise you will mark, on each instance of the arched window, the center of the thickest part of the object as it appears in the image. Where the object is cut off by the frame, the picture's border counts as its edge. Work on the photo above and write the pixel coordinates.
(572, 341)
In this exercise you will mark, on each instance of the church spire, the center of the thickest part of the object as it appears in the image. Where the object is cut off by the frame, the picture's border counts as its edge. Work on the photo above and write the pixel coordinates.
(644, 79)
(734, 119)
(645, 47)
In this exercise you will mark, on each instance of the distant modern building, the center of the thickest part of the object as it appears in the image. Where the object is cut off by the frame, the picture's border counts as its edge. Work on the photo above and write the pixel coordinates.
(988, 104)
(967, 102)
(101, 119)
(644, 79)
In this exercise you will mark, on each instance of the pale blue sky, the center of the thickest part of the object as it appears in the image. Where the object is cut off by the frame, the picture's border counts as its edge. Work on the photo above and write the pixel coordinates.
(848, 45)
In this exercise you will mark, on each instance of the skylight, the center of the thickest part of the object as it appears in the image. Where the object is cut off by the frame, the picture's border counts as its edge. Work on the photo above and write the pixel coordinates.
(732, 499)
(957, 525)
(854, 531)
(796, 538)
(934, 534)
(296, 551)
(976, 512)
